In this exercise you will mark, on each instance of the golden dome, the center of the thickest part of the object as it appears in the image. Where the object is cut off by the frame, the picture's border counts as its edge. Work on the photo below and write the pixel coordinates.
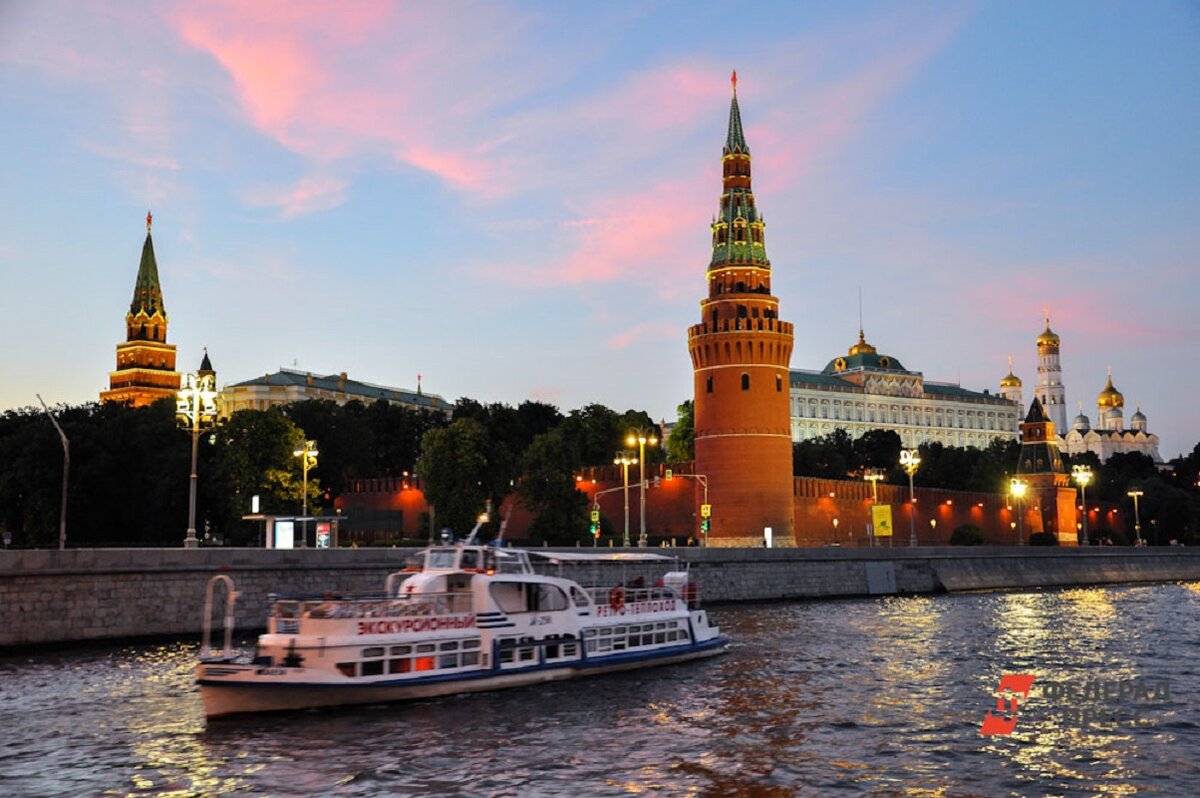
(862, 347)
(1011, 381)
(1110, 396)
(1048, 336)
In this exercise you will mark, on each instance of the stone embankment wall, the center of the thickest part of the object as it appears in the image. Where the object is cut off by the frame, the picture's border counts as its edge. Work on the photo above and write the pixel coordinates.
(85, 594)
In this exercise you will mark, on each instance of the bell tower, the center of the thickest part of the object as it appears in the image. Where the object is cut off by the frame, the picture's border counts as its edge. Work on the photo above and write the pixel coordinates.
(741, 353)
(145, 361)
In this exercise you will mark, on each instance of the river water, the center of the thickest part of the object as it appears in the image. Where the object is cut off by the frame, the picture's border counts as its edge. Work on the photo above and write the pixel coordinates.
(878, 697)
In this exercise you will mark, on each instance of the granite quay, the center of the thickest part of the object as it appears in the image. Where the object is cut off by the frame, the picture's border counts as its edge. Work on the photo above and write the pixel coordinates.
(50, 597)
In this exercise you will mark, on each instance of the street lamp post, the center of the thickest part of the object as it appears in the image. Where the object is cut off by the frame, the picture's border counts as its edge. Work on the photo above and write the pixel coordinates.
(62, 514)
(910, 460)
(642, 439)
(1017, 488)
(195, 404)
(308, 459)
(873, 475)
(1082, 476)
(1137, 518)
(625, 460)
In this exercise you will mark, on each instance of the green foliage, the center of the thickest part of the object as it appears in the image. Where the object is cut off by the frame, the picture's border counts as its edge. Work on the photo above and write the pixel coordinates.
(967, 535)
(454, 472)
(1043, 539)
(681, 446)
(548, 488)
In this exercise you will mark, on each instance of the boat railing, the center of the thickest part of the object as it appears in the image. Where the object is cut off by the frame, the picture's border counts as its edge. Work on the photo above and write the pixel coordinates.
(231, 596)
(621, 596)
(287, 613)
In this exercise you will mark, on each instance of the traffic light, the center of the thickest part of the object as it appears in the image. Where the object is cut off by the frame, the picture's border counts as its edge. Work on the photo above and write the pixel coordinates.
(594, 528)
(704, 525)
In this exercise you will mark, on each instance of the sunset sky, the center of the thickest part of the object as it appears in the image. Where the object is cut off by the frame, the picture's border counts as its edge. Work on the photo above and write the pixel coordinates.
(513, 199)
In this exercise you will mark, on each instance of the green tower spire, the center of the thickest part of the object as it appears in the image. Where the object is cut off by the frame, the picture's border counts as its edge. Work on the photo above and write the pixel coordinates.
(738, 230)
(147, 292)
(735, 139)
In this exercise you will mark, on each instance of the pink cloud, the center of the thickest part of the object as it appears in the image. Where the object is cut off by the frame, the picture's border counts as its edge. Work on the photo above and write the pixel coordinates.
(307, 195)
(335, 86)
(657, 330)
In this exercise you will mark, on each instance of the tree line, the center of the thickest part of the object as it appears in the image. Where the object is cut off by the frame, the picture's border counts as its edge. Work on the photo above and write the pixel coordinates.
(130, 467)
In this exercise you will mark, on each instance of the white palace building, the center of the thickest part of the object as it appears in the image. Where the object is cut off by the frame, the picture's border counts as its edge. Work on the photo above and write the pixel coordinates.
(865, 390)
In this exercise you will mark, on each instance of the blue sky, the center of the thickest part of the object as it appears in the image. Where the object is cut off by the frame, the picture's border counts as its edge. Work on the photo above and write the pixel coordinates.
(513, 199)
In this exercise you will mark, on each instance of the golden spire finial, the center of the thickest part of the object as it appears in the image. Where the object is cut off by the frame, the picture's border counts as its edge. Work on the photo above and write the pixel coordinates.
(149, 220)
(733, 81)
(1010, 364)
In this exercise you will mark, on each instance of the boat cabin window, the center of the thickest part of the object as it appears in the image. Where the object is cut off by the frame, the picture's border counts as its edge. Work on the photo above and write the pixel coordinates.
(440, 558)
(579, 597)
(443, 655)
(516, 597)
(469, 559)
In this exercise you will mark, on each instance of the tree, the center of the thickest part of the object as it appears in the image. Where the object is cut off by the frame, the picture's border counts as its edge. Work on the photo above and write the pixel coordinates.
(454, 472)
(828, 456)
(681, 446)
(967, 535)
(548, 488)
(878, 448)
(254, 457)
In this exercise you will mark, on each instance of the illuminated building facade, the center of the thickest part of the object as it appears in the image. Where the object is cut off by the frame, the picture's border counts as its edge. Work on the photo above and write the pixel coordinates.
(864, 390)
(740, 353)
(1110, 436)
(145, 361)
(289, 385)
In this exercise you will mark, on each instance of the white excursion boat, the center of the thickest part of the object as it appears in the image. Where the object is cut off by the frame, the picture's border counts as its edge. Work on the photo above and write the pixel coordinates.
(466, 619)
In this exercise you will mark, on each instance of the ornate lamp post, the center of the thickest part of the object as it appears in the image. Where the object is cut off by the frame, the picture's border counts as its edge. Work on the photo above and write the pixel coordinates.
(1082, 476)
(625, 460)
(642, 439)
(308, 459)
(1017, 488)
(1137, 518)
(195, 405)
(910, 460)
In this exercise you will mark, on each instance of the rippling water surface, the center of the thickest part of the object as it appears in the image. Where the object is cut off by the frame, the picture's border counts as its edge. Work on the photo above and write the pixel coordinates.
(879, 697)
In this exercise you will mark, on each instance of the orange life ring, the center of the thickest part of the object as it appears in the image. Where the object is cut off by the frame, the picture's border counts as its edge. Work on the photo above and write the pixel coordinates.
(616, 598)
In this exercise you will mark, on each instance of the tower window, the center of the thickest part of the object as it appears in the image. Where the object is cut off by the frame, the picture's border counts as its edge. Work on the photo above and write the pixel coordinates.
(778, 383)
(741, 311)
(745, 381)
(708, 384)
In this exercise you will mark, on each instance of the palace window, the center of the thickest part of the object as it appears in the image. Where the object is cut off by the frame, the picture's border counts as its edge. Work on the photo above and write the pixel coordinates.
(708, 384)
(745, 381)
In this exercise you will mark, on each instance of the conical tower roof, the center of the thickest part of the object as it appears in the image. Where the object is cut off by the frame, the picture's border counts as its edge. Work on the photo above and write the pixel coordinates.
(735, 139)
(1036, 413)
(147, 292)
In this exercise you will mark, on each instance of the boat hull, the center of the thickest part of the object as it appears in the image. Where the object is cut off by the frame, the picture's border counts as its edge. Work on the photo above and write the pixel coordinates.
(227, 694)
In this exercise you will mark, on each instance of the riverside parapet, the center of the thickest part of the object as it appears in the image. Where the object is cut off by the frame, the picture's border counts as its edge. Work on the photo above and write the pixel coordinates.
(49, 596)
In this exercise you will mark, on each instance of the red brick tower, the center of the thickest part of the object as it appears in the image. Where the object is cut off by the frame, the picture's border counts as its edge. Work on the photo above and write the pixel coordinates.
(740, 355)
(145, 361)
(1050, 503)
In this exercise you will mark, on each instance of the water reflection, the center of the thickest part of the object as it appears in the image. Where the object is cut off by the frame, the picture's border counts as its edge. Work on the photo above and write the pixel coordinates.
(880, 697)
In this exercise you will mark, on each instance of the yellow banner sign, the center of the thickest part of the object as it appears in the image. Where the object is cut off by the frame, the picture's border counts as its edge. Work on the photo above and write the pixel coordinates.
(881, 517)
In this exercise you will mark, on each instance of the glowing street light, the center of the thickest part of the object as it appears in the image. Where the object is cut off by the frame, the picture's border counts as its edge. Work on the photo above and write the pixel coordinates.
(1017, 488)
(308, 459)
(625, 459)
(910, 460)
(196, 404)
(1082, 476)
(642, 439)
(1137, 518)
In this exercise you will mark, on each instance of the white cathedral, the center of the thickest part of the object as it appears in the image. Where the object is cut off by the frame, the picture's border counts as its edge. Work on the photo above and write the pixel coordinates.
(1109, 437)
